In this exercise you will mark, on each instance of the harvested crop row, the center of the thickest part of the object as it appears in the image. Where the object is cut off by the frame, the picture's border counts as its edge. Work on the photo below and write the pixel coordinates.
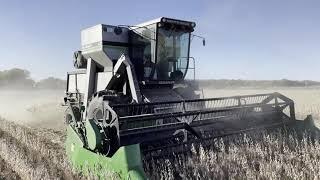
(32, 144)
(37, 155)
(27, 162)
(6, 171)
(255, 155)
(39, 144)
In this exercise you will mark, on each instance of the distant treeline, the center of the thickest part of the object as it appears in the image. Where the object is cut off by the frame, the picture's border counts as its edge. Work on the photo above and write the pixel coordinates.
(227, 83)
(20, 79)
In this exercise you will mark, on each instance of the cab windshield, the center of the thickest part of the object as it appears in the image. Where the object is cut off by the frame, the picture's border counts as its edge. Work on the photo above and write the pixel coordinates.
(172, 53)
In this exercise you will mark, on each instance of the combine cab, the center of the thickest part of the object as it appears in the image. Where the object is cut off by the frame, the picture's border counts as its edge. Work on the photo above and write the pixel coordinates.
(128, 99)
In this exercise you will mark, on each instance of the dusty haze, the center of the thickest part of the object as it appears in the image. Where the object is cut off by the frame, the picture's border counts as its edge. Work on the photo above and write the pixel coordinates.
(43, 108)
(37, 108)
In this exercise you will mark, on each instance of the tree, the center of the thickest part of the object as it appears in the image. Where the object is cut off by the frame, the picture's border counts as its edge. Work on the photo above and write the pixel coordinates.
(51, 83)
(16, 78)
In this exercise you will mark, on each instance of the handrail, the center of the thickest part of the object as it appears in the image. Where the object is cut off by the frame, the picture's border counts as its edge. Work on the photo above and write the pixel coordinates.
(196, 100)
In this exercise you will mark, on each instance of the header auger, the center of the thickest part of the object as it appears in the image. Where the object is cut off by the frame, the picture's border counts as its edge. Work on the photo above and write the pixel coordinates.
(128, 99)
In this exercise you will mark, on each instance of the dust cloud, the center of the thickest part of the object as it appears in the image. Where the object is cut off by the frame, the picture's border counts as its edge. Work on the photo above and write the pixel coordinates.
(33, 108)
(43, 108)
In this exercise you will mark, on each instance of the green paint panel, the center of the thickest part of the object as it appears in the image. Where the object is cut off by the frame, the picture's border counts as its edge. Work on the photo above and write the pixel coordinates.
(93, 134)
(126, 162)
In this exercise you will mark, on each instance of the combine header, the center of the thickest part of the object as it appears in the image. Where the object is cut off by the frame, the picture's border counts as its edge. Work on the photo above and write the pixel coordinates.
(128, 99)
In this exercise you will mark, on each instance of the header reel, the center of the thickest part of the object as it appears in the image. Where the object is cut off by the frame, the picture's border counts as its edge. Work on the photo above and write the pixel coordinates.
(112, 121)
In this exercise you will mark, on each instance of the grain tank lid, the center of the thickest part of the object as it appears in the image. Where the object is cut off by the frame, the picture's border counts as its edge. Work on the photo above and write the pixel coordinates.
(96, 35)
(91, 35)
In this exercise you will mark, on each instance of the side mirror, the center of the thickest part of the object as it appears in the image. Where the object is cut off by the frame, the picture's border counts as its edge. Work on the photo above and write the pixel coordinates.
(204, 42)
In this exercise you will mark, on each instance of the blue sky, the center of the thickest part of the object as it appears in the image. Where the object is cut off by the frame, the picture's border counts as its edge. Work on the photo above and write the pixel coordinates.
(246, 39)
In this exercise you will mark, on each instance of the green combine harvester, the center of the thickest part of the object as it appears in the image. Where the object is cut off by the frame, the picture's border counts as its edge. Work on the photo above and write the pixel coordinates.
(128, 99)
